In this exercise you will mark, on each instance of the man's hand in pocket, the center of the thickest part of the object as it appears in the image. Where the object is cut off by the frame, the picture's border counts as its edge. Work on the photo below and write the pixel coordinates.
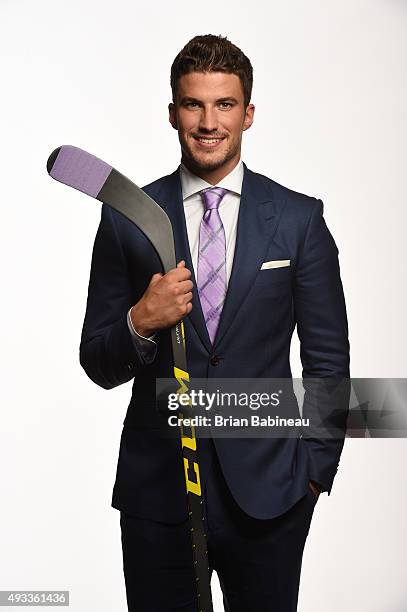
(314, 488)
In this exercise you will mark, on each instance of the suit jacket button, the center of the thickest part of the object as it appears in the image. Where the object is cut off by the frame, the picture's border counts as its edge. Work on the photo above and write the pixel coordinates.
(215, 359)
(129, 366)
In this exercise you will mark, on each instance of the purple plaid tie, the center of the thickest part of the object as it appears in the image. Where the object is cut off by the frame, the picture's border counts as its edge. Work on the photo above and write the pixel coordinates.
(212, 259)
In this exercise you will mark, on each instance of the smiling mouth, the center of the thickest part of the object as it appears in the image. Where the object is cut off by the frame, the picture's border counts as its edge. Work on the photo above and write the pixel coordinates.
(208, 142)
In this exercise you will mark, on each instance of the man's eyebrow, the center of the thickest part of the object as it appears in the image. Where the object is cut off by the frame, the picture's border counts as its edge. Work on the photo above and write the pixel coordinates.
(189, 99)
(228, 99)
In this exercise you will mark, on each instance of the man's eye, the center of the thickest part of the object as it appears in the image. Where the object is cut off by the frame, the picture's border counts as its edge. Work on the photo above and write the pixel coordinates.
(192, 104)
(225, 104)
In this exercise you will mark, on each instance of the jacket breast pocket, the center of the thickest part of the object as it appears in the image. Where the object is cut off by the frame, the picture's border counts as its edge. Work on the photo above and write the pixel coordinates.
(274, 276)
(273, 283)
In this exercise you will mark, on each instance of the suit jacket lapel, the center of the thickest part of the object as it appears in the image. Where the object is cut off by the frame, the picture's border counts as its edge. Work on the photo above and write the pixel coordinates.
(257, 222)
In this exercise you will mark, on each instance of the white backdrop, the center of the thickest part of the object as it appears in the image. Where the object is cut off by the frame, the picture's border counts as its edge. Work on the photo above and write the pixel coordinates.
(330, 95)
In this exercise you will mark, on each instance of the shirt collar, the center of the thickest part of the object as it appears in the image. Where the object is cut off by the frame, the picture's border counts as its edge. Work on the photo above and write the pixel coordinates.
(191, 183)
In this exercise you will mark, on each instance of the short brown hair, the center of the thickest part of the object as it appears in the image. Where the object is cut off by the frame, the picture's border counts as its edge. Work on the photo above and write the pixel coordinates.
(210, 53)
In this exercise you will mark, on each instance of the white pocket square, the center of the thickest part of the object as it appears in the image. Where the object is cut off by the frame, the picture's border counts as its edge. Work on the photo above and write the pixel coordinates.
(275, 263)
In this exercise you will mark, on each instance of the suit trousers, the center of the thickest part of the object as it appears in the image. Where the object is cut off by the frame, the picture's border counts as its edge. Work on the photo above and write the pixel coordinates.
(258, 562)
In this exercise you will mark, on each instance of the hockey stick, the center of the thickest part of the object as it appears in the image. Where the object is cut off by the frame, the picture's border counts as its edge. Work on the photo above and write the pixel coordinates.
(85, 172)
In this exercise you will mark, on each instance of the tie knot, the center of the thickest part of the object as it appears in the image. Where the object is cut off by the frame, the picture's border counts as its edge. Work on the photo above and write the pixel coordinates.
(212, 197)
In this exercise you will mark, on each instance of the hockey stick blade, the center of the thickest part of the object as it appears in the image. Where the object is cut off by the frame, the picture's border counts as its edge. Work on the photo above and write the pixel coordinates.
(89, 174)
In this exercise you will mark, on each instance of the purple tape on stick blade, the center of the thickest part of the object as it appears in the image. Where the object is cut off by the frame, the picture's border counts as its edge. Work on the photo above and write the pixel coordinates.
(80, 170)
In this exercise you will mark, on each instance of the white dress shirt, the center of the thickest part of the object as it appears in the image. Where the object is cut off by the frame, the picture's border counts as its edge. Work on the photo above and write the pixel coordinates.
(194, 210)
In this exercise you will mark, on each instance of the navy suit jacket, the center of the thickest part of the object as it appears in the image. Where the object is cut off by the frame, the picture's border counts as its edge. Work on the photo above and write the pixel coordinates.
(261, 310)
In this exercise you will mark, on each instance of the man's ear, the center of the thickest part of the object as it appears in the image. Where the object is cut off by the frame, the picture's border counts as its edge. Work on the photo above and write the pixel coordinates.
(249, 116)
(172, 115)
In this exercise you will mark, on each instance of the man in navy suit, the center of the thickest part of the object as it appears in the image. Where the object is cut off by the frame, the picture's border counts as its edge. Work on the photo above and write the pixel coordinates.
(278, 269)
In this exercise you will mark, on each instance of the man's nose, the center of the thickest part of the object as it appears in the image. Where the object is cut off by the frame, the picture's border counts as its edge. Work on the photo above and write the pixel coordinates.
(208, 119)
